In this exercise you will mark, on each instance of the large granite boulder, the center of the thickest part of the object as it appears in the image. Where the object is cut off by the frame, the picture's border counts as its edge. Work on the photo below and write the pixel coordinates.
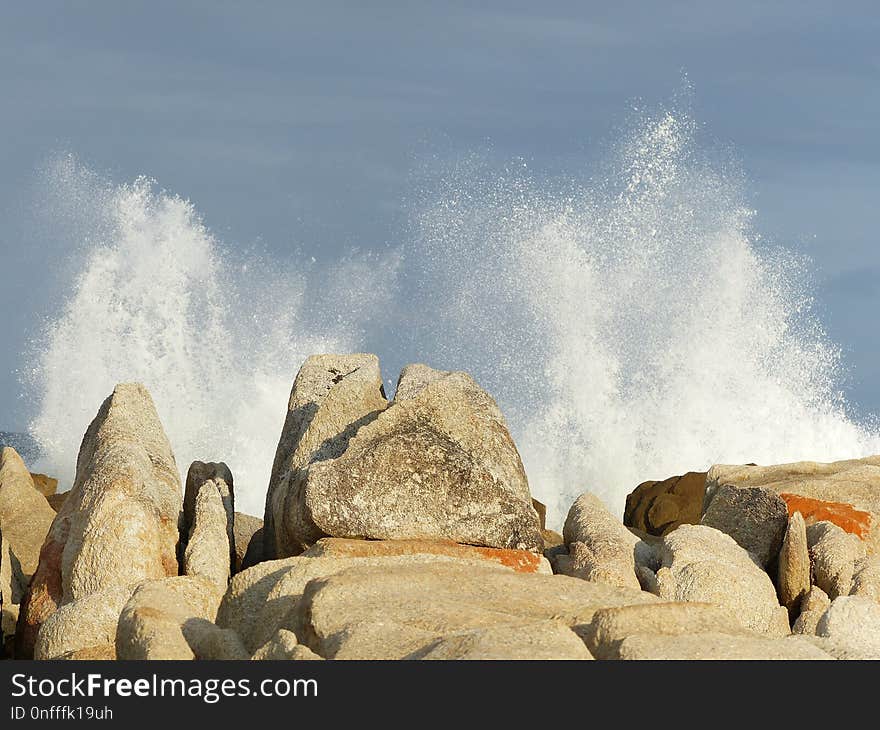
(437, 462)
(459, 593)
(700, 563)
(657, 508)
(380, 611)
(846, 493)
(119, 525)
(266, 597)
(756, 517)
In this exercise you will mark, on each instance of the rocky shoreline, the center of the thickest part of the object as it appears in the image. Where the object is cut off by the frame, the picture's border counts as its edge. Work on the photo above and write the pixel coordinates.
(405, 529)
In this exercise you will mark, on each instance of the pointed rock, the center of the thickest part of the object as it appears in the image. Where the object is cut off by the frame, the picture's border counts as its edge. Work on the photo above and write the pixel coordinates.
(793, 575)
(218, 478)
(119, 524)
(207, 552)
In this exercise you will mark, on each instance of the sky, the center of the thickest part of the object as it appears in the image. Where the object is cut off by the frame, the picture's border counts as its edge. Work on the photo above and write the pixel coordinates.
(300, 124)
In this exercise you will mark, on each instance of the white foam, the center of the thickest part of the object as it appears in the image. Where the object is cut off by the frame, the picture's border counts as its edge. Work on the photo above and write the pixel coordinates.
(630, 328)
(216, 339)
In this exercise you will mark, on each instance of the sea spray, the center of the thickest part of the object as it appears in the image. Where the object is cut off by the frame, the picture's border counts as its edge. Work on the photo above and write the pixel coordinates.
(631, 327)
(217, 338)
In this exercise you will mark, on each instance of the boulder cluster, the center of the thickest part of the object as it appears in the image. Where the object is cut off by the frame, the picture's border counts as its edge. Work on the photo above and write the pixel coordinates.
(405, 529)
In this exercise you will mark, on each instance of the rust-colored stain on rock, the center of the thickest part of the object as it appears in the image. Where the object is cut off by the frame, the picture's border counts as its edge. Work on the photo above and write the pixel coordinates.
(841, 514)
(522, 561)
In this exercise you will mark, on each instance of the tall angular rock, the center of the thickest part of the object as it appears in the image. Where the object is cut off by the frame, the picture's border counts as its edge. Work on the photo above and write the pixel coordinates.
(217, 477)
(207, 552)
(793, 575)
(332, 396)
(438, 462)
(260, 599)
(209, 522)
(119, 525)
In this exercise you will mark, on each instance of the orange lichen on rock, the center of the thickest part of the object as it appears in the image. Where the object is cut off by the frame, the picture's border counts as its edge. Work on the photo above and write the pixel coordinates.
(841, 514)
(522, 561)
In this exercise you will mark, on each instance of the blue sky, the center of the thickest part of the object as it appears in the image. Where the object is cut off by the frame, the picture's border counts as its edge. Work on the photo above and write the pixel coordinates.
(299, 124)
